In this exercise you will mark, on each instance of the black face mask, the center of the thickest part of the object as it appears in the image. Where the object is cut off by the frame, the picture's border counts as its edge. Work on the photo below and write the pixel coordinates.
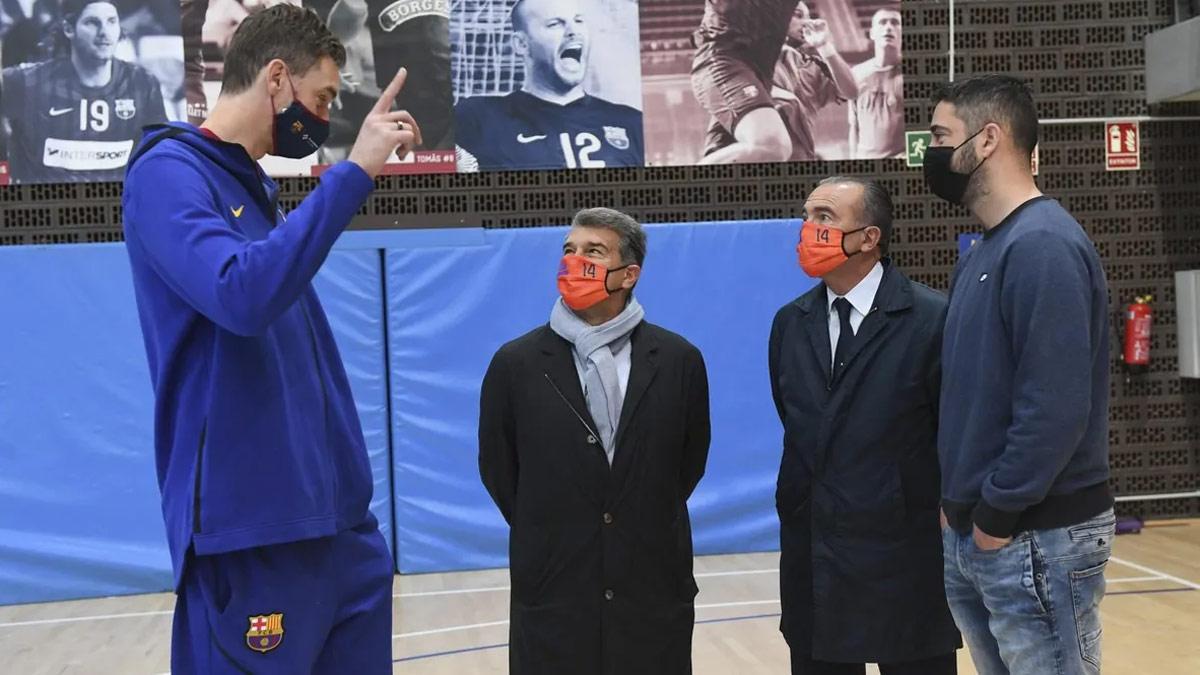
(299, 132)
(944, 181)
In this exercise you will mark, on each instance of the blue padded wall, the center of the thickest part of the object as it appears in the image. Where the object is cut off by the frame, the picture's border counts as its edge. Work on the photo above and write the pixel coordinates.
(350, 285)
(79, 505)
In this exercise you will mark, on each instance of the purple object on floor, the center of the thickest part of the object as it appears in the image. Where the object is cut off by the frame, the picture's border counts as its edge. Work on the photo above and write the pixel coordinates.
(1129, 525)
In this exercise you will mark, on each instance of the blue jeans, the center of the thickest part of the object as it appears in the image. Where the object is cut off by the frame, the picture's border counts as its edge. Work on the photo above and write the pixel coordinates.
(1032, 607)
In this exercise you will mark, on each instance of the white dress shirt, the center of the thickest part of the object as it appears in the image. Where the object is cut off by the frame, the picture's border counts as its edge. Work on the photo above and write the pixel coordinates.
(861, 299)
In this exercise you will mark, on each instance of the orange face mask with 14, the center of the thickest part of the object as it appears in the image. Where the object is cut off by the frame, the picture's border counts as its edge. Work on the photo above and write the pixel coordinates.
(583, 283)
(820, 248)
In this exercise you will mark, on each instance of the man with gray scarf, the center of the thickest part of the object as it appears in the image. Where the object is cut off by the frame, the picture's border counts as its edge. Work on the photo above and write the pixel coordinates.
(593, 432)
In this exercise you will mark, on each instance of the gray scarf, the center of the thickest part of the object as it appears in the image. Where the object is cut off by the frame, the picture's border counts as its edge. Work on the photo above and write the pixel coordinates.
(594, 347)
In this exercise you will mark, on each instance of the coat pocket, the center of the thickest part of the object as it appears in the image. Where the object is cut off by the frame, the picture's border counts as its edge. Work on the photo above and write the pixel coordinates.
(793, 490)
(685, 580)
(528, 560)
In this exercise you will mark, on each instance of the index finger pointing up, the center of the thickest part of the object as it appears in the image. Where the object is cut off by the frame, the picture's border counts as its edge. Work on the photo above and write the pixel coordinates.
(389, 95)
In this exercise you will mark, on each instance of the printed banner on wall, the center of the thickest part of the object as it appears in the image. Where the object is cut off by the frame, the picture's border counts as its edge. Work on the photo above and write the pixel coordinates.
(546, 84)
(494, 84)
(80, 80)
(771, 80)
(380, 36)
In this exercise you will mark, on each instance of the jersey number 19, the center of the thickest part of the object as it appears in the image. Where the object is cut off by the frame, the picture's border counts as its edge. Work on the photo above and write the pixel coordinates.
(93, 116)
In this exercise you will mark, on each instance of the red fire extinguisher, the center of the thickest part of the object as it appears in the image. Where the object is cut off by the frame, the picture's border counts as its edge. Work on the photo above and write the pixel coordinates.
(1138, 319)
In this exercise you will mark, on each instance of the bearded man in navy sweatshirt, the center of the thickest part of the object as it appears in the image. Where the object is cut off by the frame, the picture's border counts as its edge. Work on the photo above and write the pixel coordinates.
(279, 565)
(1023, 432)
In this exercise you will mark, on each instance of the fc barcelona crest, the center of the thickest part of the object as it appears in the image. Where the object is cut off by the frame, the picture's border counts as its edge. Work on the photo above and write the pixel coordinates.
(124, 108)
(617, 137)
(266, 632)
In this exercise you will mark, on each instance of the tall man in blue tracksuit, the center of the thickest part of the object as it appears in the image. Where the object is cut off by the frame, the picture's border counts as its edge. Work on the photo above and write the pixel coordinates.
(279, 565)
(1023, 431)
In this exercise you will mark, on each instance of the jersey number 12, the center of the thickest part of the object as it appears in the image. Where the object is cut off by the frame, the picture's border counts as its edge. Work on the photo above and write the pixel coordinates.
(579, 154)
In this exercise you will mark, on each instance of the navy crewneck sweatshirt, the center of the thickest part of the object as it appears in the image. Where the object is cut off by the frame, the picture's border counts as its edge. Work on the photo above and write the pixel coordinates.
(1023, 434)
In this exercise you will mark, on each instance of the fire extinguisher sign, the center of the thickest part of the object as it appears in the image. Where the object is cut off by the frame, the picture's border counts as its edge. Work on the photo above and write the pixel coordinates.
(1122, 146)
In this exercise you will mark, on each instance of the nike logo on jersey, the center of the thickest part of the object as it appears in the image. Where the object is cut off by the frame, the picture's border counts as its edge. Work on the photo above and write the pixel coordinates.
(56, 112)
(522, 138)
(237, 213)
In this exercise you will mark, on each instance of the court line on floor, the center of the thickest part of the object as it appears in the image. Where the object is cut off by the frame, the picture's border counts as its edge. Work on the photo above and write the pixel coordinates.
(466, 591)
(467, 650)
(490, 623)
(450, 629)
(451, 652)
(751, 603)
(728, 619)
(455, 591)
(1152, 590)
(735, 573)
(75, 619)
(502, 645)
(747, 603)
(1150, 570)
(471, 626)
(1130, 580)
(129, 615)
(414, 594)
(744, 603)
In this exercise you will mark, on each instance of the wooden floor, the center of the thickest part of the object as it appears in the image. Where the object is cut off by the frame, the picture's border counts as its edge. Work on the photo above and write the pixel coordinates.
(455, 624)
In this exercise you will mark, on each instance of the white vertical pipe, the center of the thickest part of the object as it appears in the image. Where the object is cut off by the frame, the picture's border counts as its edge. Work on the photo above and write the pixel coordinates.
(951, 40)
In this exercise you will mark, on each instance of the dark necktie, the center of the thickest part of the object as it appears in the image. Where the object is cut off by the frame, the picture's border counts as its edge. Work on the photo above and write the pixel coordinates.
(846, 335)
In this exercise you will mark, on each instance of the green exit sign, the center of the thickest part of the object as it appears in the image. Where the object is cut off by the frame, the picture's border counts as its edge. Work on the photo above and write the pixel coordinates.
(915, 145)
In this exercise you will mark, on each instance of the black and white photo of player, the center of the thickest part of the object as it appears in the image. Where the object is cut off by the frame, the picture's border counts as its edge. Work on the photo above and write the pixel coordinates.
(766, 80)
(877, 114)
(207, 26)
(204, 56)
(74, 101)
(25, 30)
(380, 37)
(547, 84)
(762, 120)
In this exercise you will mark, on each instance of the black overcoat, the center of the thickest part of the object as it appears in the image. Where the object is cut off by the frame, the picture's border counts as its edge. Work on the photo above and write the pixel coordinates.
(600, 558)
